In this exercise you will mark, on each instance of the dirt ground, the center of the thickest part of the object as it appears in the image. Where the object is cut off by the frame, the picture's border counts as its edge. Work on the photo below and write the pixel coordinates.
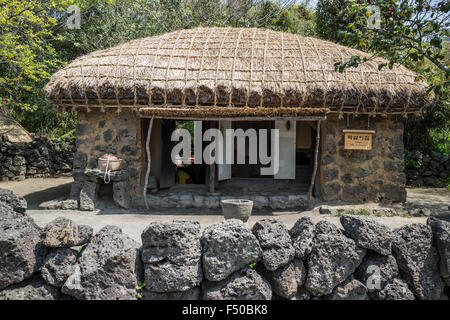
(133, 222)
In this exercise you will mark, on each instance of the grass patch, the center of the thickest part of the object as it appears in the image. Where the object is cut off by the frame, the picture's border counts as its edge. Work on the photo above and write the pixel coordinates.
(358, 212)
(405, 214)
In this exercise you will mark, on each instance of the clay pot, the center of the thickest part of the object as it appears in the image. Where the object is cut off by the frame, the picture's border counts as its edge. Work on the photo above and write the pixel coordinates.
(237, 209)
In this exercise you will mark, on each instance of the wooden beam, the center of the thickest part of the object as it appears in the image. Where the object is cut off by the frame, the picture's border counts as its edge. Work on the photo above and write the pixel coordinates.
(147, 174)
(316, 156)
(299, 118)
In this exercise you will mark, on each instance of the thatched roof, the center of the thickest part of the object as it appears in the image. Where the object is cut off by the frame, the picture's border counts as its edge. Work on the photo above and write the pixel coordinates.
(11, 130)
(235, 67)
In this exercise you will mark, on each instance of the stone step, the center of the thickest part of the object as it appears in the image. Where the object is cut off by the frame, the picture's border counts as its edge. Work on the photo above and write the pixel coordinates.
(172, 200)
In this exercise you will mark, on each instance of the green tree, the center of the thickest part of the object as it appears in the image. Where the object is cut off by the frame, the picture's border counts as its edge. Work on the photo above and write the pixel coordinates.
(35, 40)
(27, 58)
(331, 16)
(294, 18)
(412, 30)
(414, 33)
(26, 55)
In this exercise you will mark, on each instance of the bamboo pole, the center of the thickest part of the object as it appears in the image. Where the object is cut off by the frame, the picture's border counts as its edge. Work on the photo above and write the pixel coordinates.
(316, 155)
(147, 174)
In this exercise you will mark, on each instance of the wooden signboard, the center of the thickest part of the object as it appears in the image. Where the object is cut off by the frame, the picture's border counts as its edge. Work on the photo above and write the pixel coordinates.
(358, 139)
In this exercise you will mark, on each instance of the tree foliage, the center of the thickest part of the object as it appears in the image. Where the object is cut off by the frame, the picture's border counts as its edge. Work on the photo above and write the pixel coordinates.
(26, 55)
(414, 33)
(35, 42)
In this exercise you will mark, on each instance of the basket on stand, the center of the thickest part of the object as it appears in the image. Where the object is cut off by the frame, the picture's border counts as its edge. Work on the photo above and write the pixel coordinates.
(109, 162)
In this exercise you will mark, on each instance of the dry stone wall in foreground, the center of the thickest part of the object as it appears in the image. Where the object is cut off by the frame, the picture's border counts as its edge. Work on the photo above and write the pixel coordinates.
(363, 260)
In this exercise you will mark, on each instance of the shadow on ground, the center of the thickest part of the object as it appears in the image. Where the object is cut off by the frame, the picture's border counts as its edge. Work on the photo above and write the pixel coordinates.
(52, 193)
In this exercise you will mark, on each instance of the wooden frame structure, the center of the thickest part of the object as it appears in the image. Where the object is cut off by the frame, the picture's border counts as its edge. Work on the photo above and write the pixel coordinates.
(212, 168)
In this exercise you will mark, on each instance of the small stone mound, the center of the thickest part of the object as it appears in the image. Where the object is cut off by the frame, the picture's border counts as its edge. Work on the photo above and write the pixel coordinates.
(59, 204)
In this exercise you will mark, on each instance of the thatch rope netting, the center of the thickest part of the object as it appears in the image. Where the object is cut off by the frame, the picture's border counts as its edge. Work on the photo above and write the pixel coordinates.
(235, 67)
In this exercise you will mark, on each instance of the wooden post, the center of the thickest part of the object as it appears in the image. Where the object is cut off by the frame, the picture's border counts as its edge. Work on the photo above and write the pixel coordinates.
(316, 155)
(147, 174)
(212, 167)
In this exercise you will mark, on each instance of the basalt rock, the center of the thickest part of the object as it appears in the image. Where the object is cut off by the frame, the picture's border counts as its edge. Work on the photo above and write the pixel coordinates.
(21, 249)
(191, 294)
(286, 280)
(64, 233)
(418, 259)
(351, 289)
(227, 247)
(59, 265)
(40, 158)
(245, 284)
(368, 233)
(31, 289)
(276, 244)
(395, 289)
(171, 255)
(88, 196)
(302, 234)
(376, 270)
(17, 203)
(441, 235)
(333, 259)
(107, 268)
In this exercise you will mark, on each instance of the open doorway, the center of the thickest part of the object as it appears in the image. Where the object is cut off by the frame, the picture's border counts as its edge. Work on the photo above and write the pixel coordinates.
(304, 151)
(164, 173)
(189, 173)
(295, 156)
(249, 170)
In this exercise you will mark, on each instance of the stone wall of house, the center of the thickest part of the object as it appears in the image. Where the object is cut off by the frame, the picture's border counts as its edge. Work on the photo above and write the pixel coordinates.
(109, 132)
(319, 261)
(359, 175)
(40, 158)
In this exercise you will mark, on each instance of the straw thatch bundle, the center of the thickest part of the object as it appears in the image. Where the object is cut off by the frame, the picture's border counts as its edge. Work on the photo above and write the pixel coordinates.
(232, 67)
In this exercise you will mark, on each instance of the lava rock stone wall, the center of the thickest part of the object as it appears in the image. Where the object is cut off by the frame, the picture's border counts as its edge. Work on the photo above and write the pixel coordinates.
(363, 260)
(40, 158)
(427, 170)
(109, 132)
(358, 175)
